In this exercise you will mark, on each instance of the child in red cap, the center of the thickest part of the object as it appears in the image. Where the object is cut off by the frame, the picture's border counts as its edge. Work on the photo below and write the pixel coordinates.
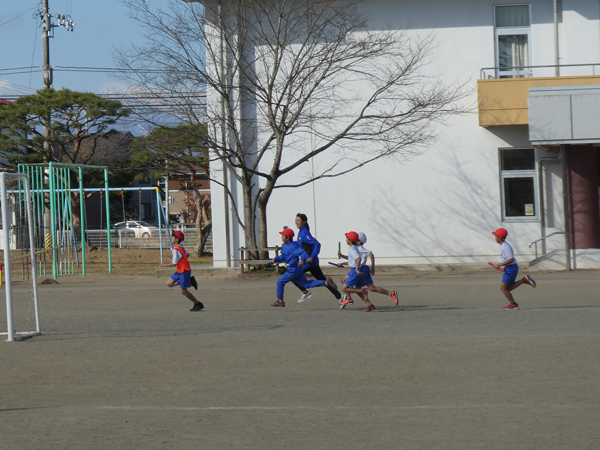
(511, 269)
(183, 276)
(295, 257)
(354, 282)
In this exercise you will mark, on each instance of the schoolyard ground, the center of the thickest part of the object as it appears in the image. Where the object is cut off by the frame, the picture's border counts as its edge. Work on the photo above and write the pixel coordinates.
(123, 364)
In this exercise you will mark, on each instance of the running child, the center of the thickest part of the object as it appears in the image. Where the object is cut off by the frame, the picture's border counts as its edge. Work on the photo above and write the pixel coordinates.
(295, 257)
(511, 269)
(312, 247)
(353, 283)
(365, 255)
(367, 279)
(183, 276)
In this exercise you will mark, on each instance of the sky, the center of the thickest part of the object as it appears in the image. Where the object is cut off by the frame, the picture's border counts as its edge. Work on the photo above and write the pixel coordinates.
(100, 26)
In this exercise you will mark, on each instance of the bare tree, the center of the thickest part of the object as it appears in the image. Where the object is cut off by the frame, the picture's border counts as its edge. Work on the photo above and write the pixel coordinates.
(292, 83)
(181, 153)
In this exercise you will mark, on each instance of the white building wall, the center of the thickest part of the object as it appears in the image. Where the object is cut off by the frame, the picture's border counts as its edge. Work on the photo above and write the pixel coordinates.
(442, 206)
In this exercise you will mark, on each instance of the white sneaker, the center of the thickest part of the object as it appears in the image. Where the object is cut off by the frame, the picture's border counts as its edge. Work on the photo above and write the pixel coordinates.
(305, 297)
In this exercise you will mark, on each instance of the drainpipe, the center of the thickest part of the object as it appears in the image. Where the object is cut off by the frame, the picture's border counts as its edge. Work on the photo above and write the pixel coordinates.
(563, 156)
(224, 138)
(556, 51)
(541, 191)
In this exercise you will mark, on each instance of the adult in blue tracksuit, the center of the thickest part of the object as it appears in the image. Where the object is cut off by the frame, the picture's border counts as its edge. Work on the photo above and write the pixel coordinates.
(312, 247)
(294, 256)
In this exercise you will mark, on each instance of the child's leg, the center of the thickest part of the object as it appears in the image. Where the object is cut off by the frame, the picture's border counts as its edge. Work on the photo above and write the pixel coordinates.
(516, 285)
(189, 295)
(506, 288)
(316, 272)
(174, 280)
(344, 278)
(282, 281)
(302, 288)
(509, 283)
(378, 289)
(362, 293)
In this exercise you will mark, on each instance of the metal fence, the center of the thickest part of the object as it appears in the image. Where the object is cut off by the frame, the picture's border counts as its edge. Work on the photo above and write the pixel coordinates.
(124, 238)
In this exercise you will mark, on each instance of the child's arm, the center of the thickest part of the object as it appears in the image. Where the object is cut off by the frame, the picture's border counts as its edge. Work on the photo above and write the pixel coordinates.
(358, 261)
(302, 256)
(372, 264)
(167, 265)
(505, 263)
(342, 256)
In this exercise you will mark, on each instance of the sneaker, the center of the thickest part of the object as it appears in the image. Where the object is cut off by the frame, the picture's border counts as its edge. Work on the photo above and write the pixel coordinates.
(530, 281)
(194, 282)
(364, 294)
(346, 301)
(511, 307)
(394, 295)
(305, 297)
(369, 308)
(330, 284)
(279, 303)
(197, 306)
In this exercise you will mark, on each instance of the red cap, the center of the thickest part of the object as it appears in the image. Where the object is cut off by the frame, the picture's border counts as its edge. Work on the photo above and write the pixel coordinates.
(287, 232)
(500, 232)
(179, 235)
(352, 235)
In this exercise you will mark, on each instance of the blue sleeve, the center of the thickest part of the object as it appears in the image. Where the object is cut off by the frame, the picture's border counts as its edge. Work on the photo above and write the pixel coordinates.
(300, 252)
(279, 258)
(316, 245)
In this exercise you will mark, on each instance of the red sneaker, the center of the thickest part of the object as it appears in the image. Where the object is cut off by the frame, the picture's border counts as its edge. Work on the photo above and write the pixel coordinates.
(511, 307)
(330, 284)
(347, 301)
(530, 281)
(369, 308)
(279, 303)
(394, 295)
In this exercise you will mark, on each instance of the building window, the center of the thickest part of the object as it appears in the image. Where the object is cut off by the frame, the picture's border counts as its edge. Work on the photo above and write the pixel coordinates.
(518, 184)
(512, 28)
(146, 212)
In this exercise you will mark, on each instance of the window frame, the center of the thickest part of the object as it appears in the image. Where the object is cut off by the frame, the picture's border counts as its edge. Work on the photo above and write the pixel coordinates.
(507, 174)
(512, 31)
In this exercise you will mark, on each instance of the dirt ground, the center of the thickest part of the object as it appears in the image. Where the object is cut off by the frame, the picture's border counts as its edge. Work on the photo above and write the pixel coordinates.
(123, 364)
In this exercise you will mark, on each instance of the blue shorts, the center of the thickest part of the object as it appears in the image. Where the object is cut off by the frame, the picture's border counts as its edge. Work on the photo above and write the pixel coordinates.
(366, 278)
(510, 273)
(183, 279)
(354, 279)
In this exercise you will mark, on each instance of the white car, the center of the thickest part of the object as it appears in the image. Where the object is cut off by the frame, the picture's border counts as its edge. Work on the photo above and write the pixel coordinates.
(136, 228)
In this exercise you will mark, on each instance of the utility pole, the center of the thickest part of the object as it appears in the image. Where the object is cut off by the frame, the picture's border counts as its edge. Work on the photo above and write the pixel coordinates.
(47, 33)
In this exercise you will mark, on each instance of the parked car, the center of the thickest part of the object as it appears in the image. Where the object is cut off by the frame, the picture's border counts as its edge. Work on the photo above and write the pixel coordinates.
(136, 229)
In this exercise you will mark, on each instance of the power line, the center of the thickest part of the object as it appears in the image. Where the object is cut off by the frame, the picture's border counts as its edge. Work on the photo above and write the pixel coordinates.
(16, 17)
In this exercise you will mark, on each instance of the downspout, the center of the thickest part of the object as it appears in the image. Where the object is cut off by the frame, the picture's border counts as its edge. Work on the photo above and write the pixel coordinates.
(556, 51)
(541, 191)
(563, 155)
(224, 138)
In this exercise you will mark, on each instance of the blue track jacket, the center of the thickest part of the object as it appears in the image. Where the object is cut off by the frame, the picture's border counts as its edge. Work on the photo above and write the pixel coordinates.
(310, 245)
(291, 253)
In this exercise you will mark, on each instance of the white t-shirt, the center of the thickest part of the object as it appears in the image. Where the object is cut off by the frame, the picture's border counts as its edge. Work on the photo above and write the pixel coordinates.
(353, 255)
(177, 254)
(506, 252)
(365, 254)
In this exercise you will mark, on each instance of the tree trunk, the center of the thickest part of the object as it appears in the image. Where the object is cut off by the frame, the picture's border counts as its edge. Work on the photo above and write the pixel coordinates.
(263, 200)
(249, 218)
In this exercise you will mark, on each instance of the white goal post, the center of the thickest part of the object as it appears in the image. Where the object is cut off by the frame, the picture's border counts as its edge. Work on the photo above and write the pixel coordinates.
(18, 243)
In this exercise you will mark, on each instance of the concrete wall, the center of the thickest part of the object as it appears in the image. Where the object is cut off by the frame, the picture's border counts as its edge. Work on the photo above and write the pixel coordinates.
(441, 206)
